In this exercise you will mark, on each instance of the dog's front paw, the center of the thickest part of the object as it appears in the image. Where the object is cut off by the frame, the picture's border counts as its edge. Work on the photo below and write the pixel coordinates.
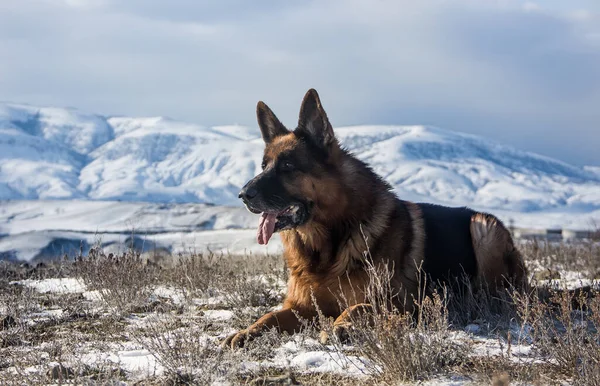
(340, 332)
(237, 340)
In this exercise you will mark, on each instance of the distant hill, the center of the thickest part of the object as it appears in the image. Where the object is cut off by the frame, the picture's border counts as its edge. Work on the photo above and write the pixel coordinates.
(56, 153)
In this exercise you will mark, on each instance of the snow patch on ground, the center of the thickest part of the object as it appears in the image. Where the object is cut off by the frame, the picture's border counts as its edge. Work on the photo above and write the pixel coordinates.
(137, 361)
(219, 315)
(60, 286)
(309, 356)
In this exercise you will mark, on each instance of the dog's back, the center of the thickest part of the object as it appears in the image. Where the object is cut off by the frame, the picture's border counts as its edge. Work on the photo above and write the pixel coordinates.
(461, 243)
(448, 250)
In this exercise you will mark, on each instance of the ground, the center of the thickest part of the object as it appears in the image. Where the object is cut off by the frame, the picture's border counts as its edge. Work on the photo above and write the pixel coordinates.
(125, 320)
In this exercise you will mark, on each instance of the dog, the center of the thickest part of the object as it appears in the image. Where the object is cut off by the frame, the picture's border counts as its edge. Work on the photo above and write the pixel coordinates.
(330, 207)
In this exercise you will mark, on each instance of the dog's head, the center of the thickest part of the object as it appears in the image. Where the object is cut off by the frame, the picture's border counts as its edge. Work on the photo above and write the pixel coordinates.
(299, 180)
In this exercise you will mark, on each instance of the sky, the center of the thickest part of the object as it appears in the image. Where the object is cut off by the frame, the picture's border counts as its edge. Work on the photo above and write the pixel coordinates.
(519, 72)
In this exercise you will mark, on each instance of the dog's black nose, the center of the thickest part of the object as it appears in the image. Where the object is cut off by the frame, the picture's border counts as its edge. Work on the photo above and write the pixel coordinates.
(248, 193)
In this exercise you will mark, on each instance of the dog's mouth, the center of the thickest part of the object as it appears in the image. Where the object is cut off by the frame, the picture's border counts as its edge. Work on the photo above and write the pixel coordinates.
(271, 222)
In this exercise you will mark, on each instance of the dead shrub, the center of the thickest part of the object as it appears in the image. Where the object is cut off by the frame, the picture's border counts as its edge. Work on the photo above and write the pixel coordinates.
(565, 331)
(401, 346)
(250, 284)
(241, 281)
(195, 274)
(124, 282)
(583, 256)
(180, 346)
(16, 304)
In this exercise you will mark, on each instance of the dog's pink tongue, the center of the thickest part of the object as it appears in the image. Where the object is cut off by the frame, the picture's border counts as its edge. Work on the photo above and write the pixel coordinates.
(266, 226)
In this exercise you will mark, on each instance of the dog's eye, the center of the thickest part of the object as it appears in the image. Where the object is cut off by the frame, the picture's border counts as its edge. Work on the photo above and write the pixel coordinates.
(287, 166)
(263, 165)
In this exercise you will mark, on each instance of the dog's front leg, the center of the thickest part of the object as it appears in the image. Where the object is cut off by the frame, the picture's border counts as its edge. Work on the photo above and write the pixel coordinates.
(347, 320)
(285, 320)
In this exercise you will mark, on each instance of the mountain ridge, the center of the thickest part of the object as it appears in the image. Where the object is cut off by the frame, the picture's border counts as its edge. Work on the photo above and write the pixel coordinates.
(58, 153)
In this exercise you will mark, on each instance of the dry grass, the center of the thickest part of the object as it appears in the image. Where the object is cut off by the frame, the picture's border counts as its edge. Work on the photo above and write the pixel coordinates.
(565, 331)
(168, 312)
(400, 346)
(180, 346)
(125, 282)
(552, 258)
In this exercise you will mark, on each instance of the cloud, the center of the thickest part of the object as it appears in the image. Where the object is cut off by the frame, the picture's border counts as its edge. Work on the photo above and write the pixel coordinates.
(523, 74)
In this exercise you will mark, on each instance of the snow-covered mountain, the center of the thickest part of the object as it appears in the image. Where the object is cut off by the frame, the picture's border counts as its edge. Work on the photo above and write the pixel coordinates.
(65, 171)
(55, 153)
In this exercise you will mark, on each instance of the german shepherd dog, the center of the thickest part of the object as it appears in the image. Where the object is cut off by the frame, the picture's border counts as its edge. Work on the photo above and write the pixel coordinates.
(329, 208)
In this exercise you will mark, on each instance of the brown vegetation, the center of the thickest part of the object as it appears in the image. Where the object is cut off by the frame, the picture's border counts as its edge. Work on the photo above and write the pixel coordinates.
(173, 313)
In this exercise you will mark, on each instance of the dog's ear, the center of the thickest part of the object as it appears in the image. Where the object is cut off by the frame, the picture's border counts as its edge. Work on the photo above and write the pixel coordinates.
(270, 127)
(313, 119)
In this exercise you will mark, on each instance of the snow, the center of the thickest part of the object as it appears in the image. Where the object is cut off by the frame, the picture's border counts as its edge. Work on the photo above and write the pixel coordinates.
(472, 328)
(219, 315)
(61, 286)
(52, 228)
(118, 217)
(570, 280)
(327, 362)
(306, 355)
(136, 361)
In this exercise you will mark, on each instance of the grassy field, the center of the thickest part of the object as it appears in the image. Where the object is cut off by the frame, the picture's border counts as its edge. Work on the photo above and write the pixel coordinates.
(141, 320)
